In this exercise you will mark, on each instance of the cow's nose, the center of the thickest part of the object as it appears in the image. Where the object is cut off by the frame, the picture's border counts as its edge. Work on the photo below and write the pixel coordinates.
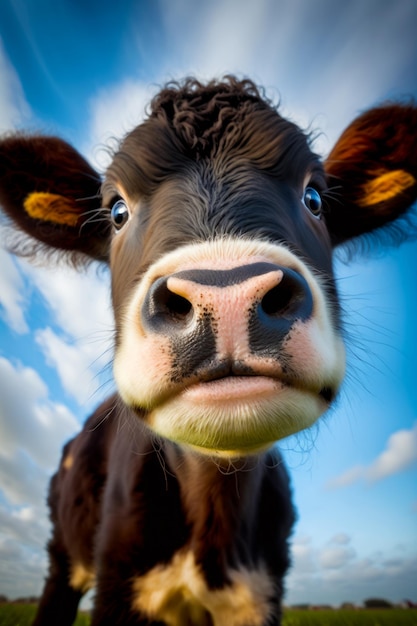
(272, 317)
(271, 298)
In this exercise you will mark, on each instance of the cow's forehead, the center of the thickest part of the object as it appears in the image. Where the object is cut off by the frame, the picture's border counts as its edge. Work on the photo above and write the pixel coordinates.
(219, 137)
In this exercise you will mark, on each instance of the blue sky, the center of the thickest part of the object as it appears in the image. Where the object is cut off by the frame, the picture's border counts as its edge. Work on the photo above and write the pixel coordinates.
(85, 70)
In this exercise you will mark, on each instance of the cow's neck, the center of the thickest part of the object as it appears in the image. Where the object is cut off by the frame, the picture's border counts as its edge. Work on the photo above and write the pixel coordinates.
(220, 502)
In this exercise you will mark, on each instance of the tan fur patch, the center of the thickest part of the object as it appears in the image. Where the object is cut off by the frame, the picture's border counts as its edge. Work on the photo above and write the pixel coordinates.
(178, 594)
(51, 207)
(68, 462)
(385, 187)
(82, 578)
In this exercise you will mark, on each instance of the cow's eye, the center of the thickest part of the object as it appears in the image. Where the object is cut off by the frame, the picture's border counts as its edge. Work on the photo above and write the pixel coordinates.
(119, 214)
(312, 201)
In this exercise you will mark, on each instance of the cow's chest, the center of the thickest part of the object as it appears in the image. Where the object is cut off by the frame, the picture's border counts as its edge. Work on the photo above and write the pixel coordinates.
(178, 595)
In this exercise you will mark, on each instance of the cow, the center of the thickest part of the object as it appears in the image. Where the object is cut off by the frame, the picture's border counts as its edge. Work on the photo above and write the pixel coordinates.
(219, 225)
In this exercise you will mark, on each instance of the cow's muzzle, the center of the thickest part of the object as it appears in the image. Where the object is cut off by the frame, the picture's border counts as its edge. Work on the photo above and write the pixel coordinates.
(211, 307)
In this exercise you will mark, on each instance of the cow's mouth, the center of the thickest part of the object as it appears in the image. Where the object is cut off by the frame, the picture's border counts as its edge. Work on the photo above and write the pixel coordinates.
(240, 382)
(236, 415)
(232, 388)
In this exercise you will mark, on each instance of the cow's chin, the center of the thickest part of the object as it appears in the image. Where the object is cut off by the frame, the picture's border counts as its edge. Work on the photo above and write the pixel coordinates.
(236, 416)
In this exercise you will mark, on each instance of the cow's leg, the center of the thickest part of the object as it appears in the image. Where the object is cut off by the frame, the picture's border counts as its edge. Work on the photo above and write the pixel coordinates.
(115, 609)
(59, 601)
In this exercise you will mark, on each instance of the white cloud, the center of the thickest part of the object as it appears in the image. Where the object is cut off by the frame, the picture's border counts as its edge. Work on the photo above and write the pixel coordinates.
(27, 526)
(74, 363)
(304, 560)
(114, 111)
(22, 480)
(30, 423)
(334, 573)
(33, 429)
(336, 554)
(400, 454)
(12, 297)
(333, 557)
(23, 567)
(79, 305)
(230, 39)
(79, 301)
(340, 539)
(348, 477)
(14, 110)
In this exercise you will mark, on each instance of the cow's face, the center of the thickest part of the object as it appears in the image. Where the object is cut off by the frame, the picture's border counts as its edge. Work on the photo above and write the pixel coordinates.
(227, 321)
(227, 318)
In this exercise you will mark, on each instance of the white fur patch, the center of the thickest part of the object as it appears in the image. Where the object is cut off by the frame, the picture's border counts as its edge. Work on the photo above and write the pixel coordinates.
(178, 594)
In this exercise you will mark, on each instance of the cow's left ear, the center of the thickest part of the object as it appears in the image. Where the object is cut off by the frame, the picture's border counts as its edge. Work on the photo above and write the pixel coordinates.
(50, 192)
(372, 172)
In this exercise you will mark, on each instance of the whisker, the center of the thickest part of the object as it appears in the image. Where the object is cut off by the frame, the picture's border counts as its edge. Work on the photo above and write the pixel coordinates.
(105, 417)
(97, 216)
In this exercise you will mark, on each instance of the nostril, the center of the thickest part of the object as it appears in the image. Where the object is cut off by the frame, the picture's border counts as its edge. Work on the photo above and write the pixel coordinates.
(164, 309)
(176, 306)
(290, 299)
(276, 301)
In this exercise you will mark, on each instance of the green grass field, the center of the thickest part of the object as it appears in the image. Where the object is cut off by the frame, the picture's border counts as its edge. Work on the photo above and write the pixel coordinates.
(22, 615)
(384, 617)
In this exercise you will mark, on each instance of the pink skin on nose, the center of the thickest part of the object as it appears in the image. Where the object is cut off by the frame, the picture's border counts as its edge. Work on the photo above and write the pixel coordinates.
(229, 308)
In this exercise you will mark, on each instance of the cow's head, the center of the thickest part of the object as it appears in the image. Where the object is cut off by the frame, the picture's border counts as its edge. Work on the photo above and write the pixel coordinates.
(219, 224)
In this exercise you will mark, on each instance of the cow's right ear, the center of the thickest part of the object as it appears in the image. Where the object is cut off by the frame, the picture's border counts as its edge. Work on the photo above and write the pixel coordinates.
(50, 192)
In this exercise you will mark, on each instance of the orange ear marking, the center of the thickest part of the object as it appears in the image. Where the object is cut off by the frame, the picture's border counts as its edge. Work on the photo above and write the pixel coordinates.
(385, 187)
(51, 207)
